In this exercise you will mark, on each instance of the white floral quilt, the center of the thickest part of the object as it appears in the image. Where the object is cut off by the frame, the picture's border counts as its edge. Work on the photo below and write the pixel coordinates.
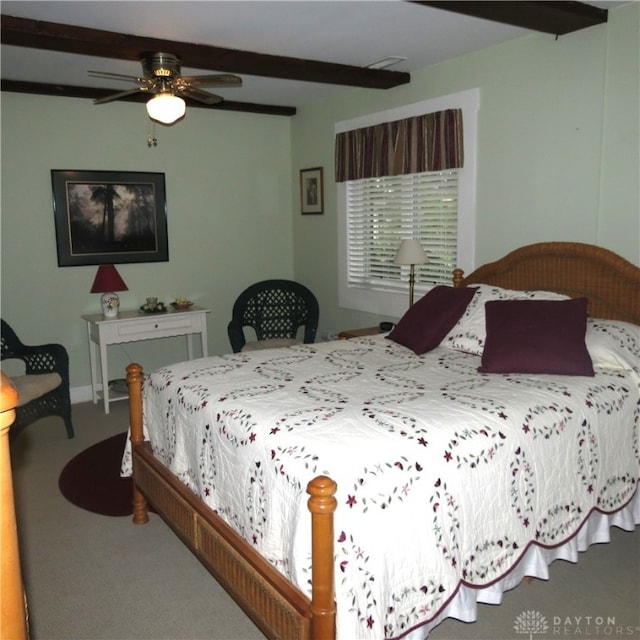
(445, 475)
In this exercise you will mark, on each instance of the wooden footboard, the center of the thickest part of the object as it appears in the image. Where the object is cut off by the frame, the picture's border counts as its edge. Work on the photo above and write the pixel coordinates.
(275, 605)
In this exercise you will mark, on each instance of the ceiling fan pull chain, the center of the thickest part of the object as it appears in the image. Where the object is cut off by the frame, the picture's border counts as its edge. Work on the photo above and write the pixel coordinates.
(152, 141)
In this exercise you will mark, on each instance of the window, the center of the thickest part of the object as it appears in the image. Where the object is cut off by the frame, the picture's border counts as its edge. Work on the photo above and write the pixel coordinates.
(383, 211)
(375, 214)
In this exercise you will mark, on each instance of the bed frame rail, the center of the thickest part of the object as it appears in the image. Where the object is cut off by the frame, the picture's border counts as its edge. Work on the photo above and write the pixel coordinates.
(275, 605)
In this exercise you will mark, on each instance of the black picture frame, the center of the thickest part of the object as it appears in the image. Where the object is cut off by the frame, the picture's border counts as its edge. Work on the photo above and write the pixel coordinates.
(311, 191)
(109, 217)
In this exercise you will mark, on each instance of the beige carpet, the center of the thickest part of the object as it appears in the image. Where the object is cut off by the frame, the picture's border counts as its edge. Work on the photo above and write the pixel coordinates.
(94, 577)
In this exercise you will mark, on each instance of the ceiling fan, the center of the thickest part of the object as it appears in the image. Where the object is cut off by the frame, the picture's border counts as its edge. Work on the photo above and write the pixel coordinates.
(162, 80)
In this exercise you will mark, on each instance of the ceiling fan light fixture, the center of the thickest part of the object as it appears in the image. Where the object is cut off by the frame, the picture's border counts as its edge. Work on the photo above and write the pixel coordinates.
(166, 108)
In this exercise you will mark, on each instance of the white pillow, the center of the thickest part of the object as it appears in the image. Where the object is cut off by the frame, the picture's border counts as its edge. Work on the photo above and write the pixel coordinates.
(613, 344)
(470, 332)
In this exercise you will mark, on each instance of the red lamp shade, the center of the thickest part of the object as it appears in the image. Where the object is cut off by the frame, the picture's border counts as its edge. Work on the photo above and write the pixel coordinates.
(108, 279)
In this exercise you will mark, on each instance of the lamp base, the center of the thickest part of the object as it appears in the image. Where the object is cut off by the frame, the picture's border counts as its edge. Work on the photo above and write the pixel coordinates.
(412, 282)
(110, 303)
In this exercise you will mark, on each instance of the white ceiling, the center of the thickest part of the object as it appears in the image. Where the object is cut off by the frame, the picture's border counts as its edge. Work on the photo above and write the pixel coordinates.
(350, 32)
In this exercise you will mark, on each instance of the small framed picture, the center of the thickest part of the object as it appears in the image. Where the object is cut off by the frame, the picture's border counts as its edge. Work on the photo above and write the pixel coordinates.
(109, 217)
(311, 194)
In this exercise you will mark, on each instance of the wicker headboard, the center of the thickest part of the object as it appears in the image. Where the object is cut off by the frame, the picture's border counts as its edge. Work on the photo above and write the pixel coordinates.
(611, 283)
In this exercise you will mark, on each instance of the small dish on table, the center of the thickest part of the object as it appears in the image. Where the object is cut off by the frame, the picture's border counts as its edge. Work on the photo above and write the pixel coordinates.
(181, 305)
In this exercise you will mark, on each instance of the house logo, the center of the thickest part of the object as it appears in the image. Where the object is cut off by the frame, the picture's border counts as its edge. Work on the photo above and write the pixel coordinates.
(531, 623)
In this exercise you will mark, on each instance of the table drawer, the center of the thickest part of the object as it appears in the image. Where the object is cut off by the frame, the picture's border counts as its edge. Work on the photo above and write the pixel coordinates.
(157, 327)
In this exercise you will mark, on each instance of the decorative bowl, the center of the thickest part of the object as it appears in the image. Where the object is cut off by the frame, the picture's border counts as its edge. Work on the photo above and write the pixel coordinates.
(182, 306)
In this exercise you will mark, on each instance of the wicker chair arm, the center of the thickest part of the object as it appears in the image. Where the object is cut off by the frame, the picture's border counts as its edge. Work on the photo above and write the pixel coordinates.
(236, 336)
(45, 359)
(310, 331)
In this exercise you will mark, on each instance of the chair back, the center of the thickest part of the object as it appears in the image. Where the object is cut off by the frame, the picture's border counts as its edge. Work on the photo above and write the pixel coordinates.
(274, 309)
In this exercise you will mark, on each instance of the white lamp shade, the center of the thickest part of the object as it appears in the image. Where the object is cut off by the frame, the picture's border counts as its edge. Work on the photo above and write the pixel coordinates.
(410, 252)
(166, 108)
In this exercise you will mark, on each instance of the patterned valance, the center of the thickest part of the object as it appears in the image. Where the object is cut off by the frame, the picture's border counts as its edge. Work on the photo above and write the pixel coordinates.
(431, 142)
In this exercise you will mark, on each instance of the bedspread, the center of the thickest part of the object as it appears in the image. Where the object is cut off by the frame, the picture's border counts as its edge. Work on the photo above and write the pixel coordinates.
(445, 475)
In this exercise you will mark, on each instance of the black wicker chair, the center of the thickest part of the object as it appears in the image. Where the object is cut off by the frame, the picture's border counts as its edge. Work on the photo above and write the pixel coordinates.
(275, 309)
(44, 389)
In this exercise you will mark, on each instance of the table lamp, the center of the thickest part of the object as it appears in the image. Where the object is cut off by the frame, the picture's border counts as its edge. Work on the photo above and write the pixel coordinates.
(106, 282)
(410, 252)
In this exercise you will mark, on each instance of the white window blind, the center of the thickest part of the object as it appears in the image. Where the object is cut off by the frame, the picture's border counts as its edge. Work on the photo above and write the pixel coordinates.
(383, 211)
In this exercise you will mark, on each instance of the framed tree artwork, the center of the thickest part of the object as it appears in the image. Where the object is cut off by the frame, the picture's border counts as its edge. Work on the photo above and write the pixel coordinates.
(109, 217)
(311, 193)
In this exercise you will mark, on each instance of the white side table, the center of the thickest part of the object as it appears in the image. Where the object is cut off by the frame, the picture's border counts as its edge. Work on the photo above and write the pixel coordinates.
(131, 326)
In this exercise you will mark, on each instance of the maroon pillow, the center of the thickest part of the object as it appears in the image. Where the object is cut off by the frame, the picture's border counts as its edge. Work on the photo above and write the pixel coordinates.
(427, 322)
(536, 336)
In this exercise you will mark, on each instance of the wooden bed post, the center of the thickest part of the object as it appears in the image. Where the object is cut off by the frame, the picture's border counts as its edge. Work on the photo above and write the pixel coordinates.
(322, 505)
(458, 277)
(134, 381)
(13, 615)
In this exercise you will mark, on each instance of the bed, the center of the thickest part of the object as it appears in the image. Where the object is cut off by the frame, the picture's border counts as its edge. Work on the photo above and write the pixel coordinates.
(486, 476)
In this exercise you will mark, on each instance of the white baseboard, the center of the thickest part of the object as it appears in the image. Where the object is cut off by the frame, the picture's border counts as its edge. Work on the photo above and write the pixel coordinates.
(82, 394)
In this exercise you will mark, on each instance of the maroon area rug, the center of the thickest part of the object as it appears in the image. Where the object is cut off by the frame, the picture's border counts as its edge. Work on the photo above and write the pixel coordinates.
(92, 479)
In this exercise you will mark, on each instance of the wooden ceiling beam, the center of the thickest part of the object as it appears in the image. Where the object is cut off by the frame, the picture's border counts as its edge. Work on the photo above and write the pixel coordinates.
(36, 34)
(70, 91)
(557, 17)
(551, 16)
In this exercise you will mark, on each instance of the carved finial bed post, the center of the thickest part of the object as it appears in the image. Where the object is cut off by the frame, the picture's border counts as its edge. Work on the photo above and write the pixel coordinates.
(322, 505)
(458, 277)
(134, 381)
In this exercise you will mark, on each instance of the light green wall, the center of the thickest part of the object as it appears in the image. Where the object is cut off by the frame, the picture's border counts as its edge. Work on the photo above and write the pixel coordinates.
(620, 178)
(229, 216)
(558, 159)
(558, 147)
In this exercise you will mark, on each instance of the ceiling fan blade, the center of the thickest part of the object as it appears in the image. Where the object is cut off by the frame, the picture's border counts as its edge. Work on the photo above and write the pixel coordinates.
(117, 96)
(116, 76)
(216, 80)
(197, 94)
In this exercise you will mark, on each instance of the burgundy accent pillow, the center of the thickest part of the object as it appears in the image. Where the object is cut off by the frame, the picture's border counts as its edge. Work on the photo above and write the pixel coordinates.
(428, 321)
(536, 336)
